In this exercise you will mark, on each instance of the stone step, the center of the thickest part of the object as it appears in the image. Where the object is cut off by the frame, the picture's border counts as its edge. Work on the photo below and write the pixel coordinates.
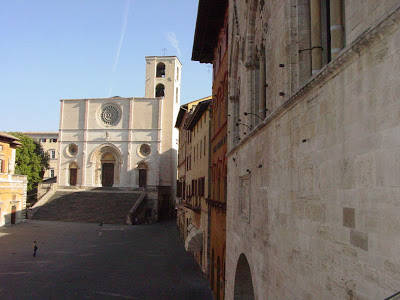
(88, 207)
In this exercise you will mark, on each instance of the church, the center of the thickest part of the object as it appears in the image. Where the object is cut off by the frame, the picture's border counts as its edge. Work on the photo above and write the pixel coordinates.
(125, 143)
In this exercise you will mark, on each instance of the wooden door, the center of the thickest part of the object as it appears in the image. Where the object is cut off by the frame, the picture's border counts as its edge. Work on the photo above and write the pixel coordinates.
(142, 177)
(73, 176)
(108, 174)
(13, 214)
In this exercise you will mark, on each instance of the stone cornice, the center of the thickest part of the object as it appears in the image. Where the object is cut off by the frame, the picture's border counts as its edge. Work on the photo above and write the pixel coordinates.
(375, 33)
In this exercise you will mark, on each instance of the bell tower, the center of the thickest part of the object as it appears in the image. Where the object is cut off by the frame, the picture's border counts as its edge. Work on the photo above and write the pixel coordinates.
(163, 80)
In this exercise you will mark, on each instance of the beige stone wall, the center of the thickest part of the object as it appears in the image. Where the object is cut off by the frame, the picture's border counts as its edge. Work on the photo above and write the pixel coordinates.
(139, 124)
(312, 191)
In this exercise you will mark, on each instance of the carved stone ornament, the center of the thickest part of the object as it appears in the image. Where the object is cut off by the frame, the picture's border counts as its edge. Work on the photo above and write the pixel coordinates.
(110, 115)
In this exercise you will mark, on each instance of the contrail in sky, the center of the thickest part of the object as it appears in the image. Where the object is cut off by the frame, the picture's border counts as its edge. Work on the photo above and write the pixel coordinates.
(171, 37)
(121, 40)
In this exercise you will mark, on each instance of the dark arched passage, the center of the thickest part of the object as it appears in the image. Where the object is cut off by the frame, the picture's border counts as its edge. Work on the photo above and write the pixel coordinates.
(243, 281)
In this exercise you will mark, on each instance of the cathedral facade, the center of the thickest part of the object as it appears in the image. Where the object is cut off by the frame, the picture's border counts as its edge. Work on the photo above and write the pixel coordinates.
(127, 143)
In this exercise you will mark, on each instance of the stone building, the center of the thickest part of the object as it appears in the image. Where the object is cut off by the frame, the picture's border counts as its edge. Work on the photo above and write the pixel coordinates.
(49, 143)
(193, 218)
(211, 46)
(127, 143)
(313, 149)
(12, 187)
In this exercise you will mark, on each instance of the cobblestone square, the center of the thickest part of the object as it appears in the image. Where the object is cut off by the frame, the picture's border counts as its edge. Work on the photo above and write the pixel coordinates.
(74, 262)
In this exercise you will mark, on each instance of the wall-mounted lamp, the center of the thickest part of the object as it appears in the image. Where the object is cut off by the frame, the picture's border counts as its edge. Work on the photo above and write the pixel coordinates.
(249, 113)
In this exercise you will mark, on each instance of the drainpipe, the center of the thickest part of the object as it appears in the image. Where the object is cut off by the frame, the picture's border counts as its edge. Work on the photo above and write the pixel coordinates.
(262, 104)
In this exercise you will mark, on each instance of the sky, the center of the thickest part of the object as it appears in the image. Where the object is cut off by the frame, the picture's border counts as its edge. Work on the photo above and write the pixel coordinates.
(63, 49)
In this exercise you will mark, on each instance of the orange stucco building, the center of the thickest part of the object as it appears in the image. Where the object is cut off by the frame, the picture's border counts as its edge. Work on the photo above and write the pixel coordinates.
(12, 186)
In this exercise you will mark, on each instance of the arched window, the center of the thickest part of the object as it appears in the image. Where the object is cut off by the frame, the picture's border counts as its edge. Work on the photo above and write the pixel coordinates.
(160, 90)
(160, 70)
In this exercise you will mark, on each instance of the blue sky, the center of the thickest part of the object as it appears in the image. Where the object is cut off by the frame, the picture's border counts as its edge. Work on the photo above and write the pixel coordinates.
(62, 49)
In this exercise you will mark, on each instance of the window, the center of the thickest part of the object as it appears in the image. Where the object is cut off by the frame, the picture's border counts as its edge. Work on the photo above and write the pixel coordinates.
(1, 147)
(2, 166)
(52, 154)
(204, 146)
(327, 38)
(160, 70)
(53, 140)
(177, 73)
(176, 96)
(42, 140)
(51, 172)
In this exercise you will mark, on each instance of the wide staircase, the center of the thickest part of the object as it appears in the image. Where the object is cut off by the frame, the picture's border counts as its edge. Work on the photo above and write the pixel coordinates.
(95, 206)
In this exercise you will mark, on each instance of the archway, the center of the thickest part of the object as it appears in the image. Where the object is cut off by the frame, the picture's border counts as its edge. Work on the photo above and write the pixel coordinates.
(142, 167)
(107, 160)
(160, 90)
(243, 281)
(107, 169)
(160, 70)
(73, 173)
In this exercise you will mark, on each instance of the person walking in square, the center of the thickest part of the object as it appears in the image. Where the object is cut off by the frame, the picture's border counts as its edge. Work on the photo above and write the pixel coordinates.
(35, 247)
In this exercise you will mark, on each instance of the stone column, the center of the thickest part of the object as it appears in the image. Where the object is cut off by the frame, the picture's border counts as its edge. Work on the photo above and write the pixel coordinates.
(316, 37)
(261, 103)
(336, 27)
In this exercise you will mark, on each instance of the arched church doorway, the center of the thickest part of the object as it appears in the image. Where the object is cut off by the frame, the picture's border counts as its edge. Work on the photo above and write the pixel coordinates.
(107, 170)
(73, 173)
(142, 174)
(243, 281)
(107, 160)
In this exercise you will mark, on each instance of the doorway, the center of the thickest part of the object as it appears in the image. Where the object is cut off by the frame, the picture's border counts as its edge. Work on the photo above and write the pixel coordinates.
(107, 170)
(13, 214)
(73, 174)
(108, 174)
(142, 175)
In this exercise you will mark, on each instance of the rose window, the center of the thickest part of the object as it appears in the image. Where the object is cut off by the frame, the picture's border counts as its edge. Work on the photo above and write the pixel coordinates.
(110, 115)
